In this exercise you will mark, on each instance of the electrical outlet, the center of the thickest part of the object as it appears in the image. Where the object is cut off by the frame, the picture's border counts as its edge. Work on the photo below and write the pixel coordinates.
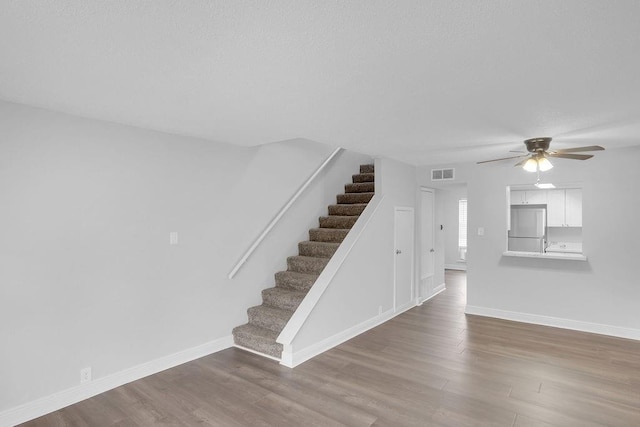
(379, 310)
(173, 238)
(85, 375)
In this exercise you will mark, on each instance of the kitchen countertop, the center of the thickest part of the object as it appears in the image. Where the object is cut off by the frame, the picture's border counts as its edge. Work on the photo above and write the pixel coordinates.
(564, 247)
(547, 255)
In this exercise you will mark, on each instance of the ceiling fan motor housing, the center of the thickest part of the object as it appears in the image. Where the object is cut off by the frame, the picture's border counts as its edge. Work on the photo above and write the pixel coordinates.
(537, 145)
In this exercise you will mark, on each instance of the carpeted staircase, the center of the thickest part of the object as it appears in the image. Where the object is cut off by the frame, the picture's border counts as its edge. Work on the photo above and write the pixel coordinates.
(266, 321)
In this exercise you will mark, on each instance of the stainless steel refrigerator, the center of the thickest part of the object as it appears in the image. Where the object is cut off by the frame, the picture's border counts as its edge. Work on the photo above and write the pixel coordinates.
(528, 231)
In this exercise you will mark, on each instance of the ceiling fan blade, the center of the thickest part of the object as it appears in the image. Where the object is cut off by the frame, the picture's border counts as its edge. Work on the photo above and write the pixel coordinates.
(579, 149)
(521, 162)
(570, 156)
(517, 151)
(504, 158)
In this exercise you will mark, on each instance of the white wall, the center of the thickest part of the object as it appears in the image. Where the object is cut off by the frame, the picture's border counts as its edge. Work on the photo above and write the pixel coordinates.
(364, 283)
(599, 295)
(87, 275)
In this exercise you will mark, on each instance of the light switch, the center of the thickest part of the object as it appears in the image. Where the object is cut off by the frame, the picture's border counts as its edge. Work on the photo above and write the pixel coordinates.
(173, 238)
(480, 231)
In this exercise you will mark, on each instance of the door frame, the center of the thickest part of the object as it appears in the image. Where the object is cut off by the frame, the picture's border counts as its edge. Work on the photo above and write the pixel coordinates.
(423, 245)
(412, 258)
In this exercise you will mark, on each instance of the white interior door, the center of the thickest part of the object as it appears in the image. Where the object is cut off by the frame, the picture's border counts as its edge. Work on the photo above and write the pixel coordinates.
(403, 283)
(427, 243)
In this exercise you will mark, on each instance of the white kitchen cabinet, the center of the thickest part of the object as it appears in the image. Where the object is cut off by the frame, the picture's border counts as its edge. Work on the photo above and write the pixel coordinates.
(573, 207)
(564, 208)
(536, 197)
(555, 208)
(528, 197)
(518, 198)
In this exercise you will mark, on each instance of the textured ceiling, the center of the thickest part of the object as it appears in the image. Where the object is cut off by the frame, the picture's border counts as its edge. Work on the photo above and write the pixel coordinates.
(420, 81)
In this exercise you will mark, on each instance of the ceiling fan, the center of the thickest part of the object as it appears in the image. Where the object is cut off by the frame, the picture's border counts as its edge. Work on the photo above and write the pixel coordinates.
(537, 158)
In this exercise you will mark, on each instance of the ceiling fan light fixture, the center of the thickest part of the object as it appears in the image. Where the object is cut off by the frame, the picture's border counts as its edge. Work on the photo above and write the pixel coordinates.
(530, 165)
(544, 164)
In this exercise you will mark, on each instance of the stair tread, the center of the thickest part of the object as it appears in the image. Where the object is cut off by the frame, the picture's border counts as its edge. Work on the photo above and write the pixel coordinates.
(285, 291)
(367, 168)
(269, 317)
(310, 258)
(258, 339)
(363, 177)
(295, 280)
(327, 244)
(334, 235)
(284, 298)
(314, 248)
(362, 205)
(298, 275)
(351, 209)
(360, 187)
(338, 221)
(353, 198)
(273, 311)
(307, 264)
(257, 331)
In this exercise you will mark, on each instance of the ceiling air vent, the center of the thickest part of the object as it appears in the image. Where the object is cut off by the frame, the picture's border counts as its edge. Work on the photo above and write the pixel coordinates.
(442, 174)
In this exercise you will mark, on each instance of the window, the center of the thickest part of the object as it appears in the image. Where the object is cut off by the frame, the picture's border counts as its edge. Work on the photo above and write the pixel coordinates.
(545, 221)
(462, 228)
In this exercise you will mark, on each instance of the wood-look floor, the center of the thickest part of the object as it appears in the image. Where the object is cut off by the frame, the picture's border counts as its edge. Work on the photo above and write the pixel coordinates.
(429, 366)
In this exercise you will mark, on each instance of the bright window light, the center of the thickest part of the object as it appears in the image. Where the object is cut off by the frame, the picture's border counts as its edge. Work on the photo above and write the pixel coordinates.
(462, 224)
(545, 186)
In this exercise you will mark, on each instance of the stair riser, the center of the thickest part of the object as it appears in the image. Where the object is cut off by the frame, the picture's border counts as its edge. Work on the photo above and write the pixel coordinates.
(363, 177)
(354, 198)
(327, 235)
(346, 210)
(337, 221)
(363, 187)
(366, 169)
(264, 320)
(319, 249)
(261, 345)
(299, 284)
(285, 302)
(306, 265)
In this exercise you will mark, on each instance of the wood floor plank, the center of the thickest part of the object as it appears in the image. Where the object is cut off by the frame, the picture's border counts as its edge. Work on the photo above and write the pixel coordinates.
(431, 366)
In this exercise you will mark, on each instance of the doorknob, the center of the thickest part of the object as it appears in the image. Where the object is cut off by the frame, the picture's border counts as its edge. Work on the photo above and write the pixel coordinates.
(431, 250)
(398, 251)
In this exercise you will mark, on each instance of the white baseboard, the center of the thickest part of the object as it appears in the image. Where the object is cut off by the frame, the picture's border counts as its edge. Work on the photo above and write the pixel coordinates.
(435, 292)
(47, 404)
(461, 267)
(292, 359)
(409, 305)
(556, 322)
